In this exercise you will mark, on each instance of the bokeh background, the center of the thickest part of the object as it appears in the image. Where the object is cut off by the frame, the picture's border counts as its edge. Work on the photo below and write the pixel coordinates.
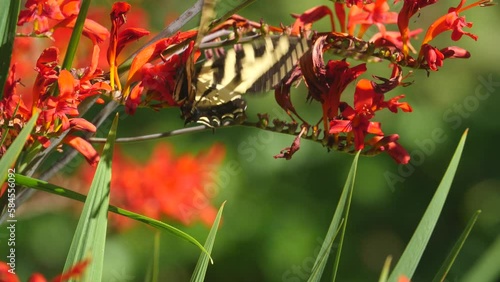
(278, 211)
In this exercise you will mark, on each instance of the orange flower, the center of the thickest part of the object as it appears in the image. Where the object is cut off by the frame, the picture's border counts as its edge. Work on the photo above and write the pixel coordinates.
(179, 188)
(370, 14)
(75, 272)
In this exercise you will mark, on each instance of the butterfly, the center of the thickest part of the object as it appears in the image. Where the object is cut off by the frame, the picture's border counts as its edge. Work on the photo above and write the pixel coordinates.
(214, 95)
(211, 92)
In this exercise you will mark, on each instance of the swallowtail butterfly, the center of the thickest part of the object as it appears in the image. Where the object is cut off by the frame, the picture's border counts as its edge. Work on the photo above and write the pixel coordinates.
(212, 91)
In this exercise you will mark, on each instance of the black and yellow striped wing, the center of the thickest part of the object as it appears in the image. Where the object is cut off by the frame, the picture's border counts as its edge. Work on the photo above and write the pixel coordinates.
(258, 66)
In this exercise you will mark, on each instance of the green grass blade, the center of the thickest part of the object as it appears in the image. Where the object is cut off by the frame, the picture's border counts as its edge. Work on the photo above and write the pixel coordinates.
(385, 270)
(76, 35)
(486, 268)
(154, 269)
(90, 235)
(345, 199)
(202, 264)
(415, 248)
(8, 24)
(9, 158)
(53, 189)
(443, 271)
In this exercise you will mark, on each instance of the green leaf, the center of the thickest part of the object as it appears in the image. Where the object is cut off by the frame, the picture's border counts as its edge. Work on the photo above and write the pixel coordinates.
(9, 158)
(53, 189)
(415, 248)
(340, 212)
(154, 270)
(486, 268)
(385, 270)
(76, 35)
(8, 24)
(443, 271)
(202, 265)
(90, 236)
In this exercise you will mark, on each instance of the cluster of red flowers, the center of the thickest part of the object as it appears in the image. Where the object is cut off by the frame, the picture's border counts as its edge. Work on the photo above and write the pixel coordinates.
(346, 125)
(154, 73)
(327, 81)
(7, 275)
(57, 92)
(179, 188)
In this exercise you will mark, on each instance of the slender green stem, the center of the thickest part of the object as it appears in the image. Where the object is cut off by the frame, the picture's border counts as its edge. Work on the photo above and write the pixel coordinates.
(76, 34)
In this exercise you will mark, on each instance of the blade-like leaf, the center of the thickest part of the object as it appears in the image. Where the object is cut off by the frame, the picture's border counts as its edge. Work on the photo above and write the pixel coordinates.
(53, 189)
(10, 157)
(345, 199)
(154, 269)
(90, 235)
(486, 268)
(415, 248)
(8, 24)
(443, 271)
(202, 265)
(385, 270)
(76, 34)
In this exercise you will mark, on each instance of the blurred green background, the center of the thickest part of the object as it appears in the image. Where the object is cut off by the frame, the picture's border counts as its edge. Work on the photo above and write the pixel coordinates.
(278, 211)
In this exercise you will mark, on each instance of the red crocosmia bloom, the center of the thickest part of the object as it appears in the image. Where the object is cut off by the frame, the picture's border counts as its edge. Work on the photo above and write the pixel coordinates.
(326, 83)
(433, 57)
(117, 15)
(370, 14)
(61, 106)
(390, 145)
(179, 188)
(410, 8)
(128, 35)
(84, 148)
(393, 38)
(455, 52)
(5, 275)
(282, 93)
(305, 20)
(47, 73)
(75, 272)
(12, 103)
(40, 12)
(357, 119)
(152, 52)
(452, 21)
(157, 81)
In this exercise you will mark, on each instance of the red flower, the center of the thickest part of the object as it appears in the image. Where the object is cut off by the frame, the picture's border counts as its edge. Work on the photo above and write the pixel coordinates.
(12, 103)
(157, 81)
(410, 8)
(370, 14)
(452, 21)
(5, 275)
(75, 272)
(179, 188)
(433, 57)
(390, 145)
(305, 20)
(52, 14)
(393, 38)
(40, 12)
(357, 120)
